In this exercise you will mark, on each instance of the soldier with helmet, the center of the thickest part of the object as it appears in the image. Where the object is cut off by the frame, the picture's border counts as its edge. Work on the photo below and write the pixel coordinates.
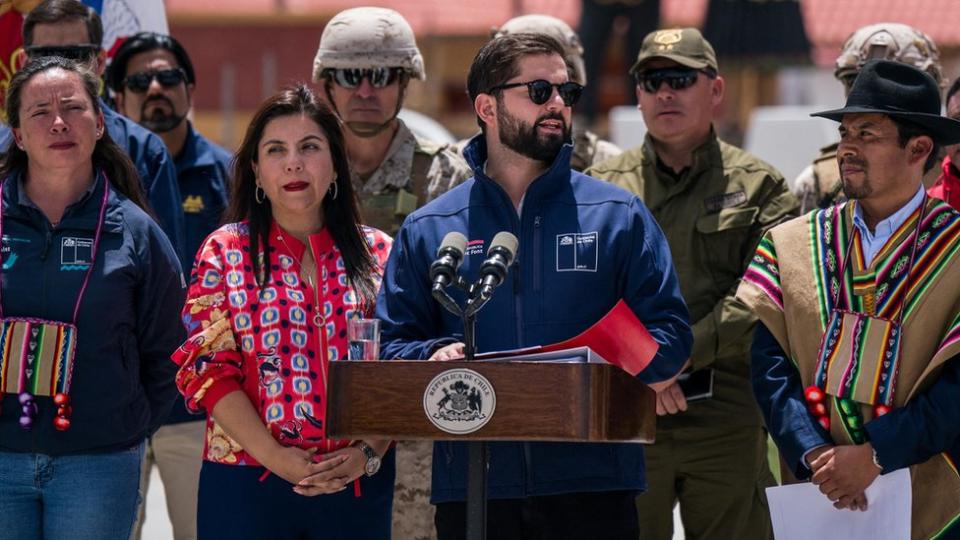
(366, 58)
(588, 148)
(818, 185)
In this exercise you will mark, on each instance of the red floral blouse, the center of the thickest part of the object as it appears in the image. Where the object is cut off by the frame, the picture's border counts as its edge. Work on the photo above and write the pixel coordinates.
(265, 341)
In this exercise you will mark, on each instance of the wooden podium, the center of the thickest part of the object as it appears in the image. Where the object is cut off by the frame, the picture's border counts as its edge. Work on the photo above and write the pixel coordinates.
(508, 400)
(535, 401)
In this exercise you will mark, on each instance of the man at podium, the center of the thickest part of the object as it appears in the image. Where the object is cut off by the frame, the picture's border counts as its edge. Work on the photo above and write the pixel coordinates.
(583, 246)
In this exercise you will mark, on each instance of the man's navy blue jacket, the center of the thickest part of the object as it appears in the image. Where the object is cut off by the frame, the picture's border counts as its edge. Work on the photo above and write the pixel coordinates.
(203, 172)
(158, 176)
(584, 245)
(128, 324)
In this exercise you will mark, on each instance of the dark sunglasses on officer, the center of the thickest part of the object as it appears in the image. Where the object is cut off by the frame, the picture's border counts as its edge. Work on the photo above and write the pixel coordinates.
(138, 83)
(540, 91)
(379, 77)
(677, 78)
(77, 53)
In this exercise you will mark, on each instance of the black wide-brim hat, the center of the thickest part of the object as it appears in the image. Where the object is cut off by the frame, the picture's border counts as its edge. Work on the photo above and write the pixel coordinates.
(902, 92)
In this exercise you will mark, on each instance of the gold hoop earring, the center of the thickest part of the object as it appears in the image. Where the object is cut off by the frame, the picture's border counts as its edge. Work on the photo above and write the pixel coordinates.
(259, 194)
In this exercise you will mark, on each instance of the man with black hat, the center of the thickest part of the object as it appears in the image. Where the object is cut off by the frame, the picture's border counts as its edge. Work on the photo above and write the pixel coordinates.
(714, 201)
(855, 365)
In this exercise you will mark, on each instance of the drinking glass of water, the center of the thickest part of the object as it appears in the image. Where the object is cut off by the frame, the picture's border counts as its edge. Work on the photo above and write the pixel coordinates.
(363, 336)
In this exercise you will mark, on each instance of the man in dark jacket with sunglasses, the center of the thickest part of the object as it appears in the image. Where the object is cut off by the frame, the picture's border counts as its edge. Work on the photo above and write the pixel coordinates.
(713, 201)
(153, 79)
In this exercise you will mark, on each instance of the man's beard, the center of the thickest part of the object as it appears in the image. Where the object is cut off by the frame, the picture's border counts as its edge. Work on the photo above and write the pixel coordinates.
(524, 139)
(160, 121)
(862, 191)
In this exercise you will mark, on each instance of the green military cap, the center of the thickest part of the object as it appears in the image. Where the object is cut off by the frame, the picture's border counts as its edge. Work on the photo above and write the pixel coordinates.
(685, 46)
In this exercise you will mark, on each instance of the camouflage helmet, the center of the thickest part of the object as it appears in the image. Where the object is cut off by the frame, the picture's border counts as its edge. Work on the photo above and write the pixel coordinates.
(555, 28)
(368, 37)
(888, 41)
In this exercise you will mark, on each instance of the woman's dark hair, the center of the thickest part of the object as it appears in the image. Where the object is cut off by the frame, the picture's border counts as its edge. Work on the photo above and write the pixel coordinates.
(341, 215)
(499, 61)
(107, 156)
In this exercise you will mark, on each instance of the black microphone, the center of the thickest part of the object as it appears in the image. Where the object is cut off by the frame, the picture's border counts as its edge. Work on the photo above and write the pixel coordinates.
(500, 256)
(443, 271)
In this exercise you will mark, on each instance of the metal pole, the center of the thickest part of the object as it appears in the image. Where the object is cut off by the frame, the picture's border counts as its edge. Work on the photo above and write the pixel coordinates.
(476, 455)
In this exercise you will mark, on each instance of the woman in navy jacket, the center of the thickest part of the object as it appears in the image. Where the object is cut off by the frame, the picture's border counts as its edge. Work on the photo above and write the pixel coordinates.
(90, 295)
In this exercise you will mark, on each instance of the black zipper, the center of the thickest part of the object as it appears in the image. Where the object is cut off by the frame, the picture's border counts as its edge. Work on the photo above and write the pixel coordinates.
(537, 267)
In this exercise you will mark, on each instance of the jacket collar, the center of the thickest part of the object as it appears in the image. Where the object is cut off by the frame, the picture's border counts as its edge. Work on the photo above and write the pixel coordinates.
(197, 152)
(554, 177)
(82, 214)
(704, 156)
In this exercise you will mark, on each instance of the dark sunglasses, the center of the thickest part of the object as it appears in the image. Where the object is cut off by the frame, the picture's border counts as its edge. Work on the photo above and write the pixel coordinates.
(77, 53)
(380, 77)
(540, 91)
(676, 78)
(140, 82)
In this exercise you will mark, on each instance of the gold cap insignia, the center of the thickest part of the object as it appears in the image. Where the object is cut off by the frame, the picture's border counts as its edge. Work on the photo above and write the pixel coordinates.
(668, 37)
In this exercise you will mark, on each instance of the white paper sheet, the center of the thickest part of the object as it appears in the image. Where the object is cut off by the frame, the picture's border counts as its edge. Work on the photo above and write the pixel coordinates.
(801, 512)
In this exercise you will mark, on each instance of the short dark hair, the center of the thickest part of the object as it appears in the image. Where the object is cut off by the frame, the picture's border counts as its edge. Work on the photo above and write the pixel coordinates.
(57, 11)
(907, 130)
(954, 88)
(497, 61)
(144, 42)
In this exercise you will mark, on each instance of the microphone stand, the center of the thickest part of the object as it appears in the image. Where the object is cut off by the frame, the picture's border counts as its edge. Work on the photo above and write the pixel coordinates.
(476, 450)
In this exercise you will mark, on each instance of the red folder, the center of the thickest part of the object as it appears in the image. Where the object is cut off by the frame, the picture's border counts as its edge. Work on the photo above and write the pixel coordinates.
(618, 337)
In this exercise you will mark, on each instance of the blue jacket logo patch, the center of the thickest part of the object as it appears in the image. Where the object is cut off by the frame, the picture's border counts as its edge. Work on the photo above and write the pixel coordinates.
(75, 253)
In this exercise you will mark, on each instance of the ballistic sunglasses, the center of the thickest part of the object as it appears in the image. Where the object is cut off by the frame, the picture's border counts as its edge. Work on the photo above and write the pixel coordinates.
(380, 77)
(77, 53)
(676, 78)
(540, 91)
(140, 82)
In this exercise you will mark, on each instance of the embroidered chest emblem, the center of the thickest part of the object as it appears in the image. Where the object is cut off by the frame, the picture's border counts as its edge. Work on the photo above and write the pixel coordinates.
(193, 204)
(75, 253)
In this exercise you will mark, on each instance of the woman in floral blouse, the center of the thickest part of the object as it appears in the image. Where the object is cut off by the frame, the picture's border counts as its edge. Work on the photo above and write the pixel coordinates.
(269, 299)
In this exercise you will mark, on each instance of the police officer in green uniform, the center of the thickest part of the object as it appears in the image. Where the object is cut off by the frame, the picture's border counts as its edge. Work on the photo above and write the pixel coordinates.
(818, 185)
(713, 201)
(366, 58)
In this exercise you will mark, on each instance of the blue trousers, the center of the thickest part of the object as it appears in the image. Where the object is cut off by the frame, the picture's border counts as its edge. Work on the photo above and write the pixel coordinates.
(77, 497)
(234, 504)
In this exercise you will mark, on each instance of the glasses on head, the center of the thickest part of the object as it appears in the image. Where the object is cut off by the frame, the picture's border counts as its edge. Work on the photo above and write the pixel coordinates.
(380, 77)
(540, 91)
(77, 53)
(140, 82)
(676, 78)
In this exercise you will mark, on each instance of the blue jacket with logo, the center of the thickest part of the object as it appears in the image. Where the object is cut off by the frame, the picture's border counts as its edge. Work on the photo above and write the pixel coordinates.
(158, 176)
(128, 324)
(584, 245)
(203, 170)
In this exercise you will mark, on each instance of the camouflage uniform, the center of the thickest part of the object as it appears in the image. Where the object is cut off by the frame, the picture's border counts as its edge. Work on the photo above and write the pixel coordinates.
(413, 172)
(819, 184)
